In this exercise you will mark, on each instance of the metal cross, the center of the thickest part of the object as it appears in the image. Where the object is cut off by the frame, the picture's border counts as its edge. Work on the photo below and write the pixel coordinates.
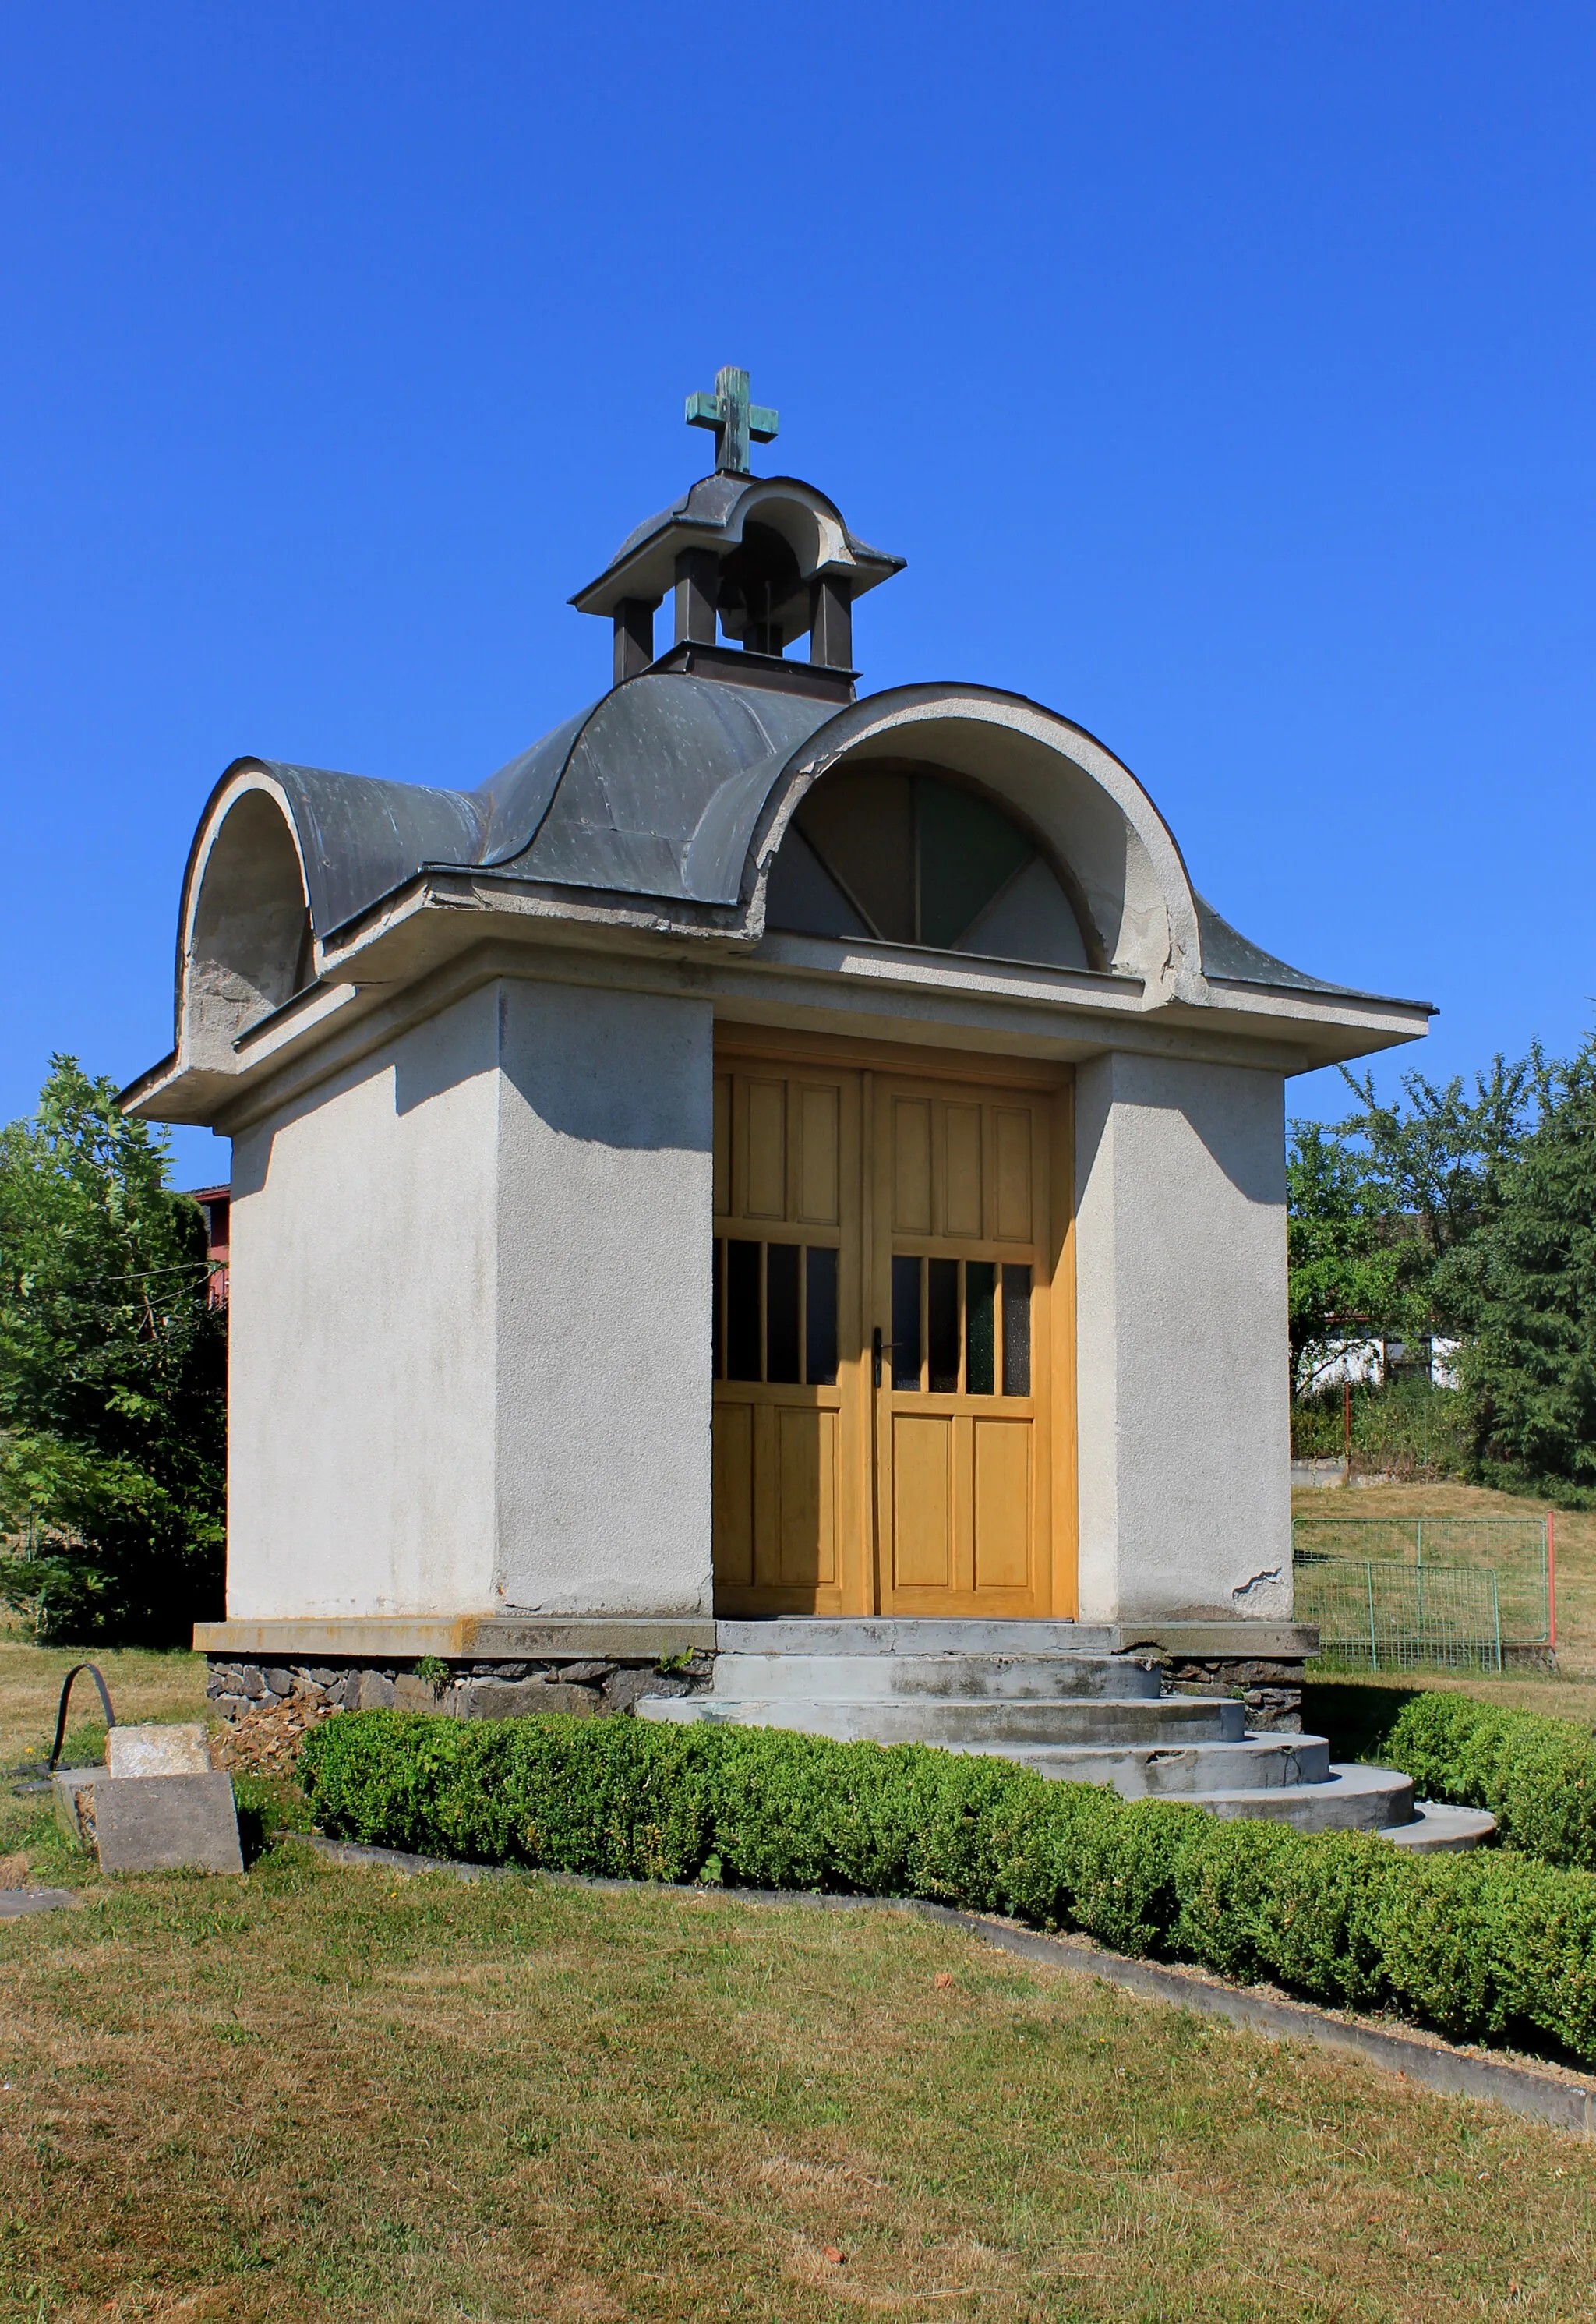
(733, 419)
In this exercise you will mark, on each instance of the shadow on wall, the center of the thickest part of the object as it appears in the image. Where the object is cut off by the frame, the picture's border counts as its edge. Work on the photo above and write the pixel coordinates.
(1248, 1147)
(630, 1071)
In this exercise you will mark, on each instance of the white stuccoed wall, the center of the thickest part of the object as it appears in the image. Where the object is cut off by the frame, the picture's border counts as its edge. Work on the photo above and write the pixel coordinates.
(1184, 1416)
(605, 1219)
(470, 1319)
(360, 1474)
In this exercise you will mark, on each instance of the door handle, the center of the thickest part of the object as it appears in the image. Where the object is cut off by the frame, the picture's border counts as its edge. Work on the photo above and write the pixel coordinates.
(878, 1348)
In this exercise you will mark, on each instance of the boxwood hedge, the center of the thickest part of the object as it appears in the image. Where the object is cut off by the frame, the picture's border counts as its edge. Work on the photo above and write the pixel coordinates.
(1489, 1945)
(1537, 1775)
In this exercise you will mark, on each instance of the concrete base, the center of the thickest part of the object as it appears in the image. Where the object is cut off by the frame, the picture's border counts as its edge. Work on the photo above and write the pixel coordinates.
(167, 1823)
(151, 1823)
(473, 1637)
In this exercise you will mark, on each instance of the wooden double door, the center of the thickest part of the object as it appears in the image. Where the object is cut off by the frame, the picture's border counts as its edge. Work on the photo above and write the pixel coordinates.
(893, 1382)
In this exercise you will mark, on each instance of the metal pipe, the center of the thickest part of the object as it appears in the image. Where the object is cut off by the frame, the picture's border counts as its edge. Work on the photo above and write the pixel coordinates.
(60, 1716)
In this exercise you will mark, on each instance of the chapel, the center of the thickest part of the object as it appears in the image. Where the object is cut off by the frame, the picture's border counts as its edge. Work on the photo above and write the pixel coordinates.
(773, 1154)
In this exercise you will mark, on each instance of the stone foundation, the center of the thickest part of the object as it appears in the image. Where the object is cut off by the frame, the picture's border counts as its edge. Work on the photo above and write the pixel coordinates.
(270, 1705)
(1272, 1690)
(474, 1690)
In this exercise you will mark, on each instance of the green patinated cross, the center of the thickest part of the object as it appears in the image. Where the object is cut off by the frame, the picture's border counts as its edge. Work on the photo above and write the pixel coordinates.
(735, 421)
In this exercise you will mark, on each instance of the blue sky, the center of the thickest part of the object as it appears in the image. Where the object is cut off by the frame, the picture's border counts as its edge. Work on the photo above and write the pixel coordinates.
(1224, 372)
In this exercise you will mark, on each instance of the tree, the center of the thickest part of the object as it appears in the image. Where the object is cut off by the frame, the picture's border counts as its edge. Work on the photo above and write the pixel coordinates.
(1437, 1156)
(1383, 1205)
(1345, 1270)
(112, 1376)
(1525, 1287)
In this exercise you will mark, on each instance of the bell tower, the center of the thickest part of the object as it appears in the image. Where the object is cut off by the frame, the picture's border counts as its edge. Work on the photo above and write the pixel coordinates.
(752, 564)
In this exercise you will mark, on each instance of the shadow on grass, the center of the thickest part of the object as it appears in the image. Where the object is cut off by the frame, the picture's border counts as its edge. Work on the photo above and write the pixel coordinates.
(269, 1808)
(1354, 1716)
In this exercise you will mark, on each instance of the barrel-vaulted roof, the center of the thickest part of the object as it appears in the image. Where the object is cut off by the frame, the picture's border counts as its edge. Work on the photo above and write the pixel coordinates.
(656, 815)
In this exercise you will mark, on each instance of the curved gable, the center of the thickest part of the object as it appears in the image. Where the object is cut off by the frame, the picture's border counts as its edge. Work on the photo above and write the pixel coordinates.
(1094, 828)
(246, 944)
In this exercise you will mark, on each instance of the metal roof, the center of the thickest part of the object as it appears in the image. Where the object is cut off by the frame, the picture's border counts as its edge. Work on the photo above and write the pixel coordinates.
(712, 513)
(654, 790)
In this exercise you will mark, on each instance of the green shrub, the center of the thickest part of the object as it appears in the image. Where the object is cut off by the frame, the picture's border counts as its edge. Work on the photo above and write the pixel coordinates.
(1479, 1946)
(1537, 1775)
(1408, 1429)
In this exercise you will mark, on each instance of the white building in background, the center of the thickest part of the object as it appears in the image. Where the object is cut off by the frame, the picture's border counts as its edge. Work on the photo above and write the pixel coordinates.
(1375, 1363)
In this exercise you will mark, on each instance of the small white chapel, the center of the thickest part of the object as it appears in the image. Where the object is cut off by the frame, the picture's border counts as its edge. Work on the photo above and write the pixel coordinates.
(776, 1169)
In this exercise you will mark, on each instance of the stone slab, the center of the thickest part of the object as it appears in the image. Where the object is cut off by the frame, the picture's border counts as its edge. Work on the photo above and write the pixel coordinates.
(176, 1750)
(526, 1698)
(898, 1634)
(15, 1903)
(1350, 1797)
(592, 1637)
(403, 1637)
(167, 1823)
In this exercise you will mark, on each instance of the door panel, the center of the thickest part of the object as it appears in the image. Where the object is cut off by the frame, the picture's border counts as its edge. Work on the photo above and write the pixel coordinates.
(961, 1199)
(1003, 1502)
(733, 1469)
(964, 1485)
(911, 1166)
(819, 1156)
(807, 1484)
(922, 1501)
(790, 1532)
(765, 1112)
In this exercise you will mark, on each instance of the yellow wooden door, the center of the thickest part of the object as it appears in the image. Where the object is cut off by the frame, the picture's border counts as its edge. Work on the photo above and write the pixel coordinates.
(962, 1299)
(791, 1403)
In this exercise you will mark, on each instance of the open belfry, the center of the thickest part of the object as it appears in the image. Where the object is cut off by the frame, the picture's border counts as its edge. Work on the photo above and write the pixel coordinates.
(772, 1207)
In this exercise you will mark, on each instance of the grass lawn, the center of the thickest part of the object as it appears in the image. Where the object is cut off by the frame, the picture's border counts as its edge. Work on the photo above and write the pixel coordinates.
(1570, 1691)
(316, 2092)
(323, 2093)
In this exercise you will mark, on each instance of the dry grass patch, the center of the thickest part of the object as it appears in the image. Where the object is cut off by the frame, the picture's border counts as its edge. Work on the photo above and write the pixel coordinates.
(144, 1686)
(321, 2093)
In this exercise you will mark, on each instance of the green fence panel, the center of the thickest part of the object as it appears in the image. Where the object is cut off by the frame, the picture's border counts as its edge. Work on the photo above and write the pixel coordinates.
(1375, 1614)
(1515, 1550)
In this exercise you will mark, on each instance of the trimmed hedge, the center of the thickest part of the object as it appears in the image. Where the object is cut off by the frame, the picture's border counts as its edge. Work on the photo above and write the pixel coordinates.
(1479, 1946)
(1537, 1775)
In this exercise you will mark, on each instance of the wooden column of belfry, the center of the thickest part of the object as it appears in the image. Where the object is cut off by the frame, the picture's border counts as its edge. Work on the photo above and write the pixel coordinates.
(933, 1474)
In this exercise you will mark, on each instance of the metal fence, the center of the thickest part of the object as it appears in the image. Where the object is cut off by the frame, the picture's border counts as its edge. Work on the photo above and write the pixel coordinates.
(1515, 1551)
(1375, 1616)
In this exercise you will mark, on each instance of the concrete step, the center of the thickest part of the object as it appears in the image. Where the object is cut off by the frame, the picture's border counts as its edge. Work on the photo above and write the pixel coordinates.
(884, 1678)
(1438, 1828)
(897, 1634)
(1015, 1728)
(1185, 1749)
(1347, 1798)
(1242, 1765)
